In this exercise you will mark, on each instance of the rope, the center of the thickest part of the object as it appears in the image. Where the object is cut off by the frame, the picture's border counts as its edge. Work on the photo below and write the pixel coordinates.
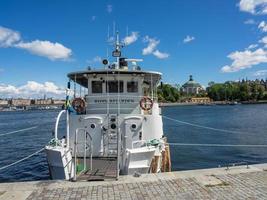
(21, 130)
(200, 126)
(219, 145)
(25, 158)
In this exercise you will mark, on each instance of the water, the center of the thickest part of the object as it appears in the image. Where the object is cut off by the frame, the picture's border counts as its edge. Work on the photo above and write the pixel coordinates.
(251, 120)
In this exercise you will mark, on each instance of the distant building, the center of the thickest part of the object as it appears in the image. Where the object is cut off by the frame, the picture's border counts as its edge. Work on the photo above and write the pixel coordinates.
(200, 100)
(20, 102)
(42, 101)
(3, 102)
(192, 87)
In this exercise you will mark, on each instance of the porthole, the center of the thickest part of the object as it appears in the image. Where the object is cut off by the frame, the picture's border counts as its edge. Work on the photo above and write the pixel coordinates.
(92, 126)
(133, 126)
(113, 126)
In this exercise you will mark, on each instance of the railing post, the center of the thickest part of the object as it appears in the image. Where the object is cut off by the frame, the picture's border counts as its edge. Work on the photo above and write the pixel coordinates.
(68, 129)
(84, 156)
(118, 152)
(75, 156)
(57, 121)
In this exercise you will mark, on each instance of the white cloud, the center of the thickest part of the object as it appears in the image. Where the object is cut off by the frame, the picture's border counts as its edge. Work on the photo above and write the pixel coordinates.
(131, 38)
(252, 46)
(53, 51)
(152, 48)
(250, 21)
(32, 89)
(264, 41)
(188, 38)
(245, 59)
(96, 59)
(152, 44)
(109, 8)
(160, 55)
(253, 6)
(263, 26)
(8, 37)
(261, 73)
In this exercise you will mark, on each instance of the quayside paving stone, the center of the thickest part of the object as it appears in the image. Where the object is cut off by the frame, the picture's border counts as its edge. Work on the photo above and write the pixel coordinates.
(235, 186)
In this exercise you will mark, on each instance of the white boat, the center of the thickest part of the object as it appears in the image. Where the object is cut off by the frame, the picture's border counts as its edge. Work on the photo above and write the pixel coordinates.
(115, 128)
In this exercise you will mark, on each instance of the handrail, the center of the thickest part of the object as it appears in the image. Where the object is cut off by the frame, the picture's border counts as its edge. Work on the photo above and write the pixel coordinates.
(77, 131)
(56, 126)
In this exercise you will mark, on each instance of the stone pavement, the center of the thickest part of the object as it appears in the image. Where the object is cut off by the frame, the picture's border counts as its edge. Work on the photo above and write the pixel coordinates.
(219, 183)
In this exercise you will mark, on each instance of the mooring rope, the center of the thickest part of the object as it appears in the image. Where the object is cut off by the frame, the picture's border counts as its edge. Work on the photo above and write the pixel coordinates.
(21, 130)
(25, 158)
(201, 126)
(218, 145)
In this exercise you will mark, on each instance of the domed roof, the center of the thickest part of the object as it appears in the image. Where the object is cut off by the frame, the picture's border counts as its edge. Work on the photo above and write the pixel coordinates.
(191, 83)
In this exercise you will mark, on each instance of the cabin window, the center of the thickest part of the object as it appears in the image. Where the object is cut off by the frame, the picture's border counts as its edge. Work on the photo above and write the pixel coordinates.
(132, 86)
(97, 87)
(112, 86)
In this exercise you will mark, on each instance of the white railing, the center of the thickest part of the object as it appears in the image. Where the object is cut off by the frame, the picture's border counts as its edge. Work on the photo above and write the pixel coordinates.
(57, 122)
(86, 145)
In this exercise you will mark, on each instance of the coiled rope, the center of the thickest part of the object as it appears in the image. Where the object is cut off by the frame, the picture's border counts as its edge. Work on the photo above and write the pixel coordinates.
(25, 158)
(200, 126)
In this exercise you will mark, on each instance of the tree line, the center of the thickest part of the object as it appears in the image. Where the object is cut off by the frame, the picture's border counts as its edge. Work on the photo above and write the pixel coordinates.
(228, 91)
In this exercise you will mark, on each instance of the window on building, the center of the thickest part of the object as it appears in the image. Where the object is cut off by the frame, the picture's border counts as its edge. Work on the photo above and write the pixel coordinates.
(97, 87)
(132, 86)
(112, 86)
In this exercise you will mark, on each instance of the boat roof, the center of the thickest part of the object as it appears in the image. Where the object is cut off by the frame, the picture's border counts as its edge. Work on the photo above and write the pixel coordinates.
(81, 77)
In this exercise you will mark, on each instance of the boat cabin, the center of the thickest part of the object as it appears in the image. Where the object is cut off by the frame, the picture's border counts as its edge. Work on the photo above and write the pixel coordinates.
(116, 91)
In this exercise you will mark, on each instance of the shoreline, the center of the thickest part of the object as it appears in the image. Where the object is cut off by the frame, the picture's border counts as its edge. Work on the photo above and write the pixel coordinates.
(169, 104)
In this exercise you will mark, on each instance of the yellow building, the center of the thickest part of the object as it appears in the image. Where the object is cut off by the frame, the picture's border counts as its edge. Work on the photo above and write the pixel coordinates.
(200, 100)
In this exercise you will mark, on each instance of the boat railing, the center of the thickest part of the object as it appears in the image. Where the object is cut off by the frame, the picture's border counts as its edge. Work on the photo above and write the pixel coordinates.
(57, 122)
(86, 147)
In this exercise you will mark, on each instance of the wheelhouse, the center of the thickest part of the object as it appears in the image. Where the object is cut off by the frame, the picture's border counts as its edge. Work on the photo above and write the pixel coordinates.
(116, 91)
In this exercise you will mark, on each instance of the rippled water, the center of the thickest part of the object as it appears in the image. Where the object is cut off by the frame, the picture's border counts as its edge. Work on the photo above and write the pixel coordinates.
(251, 120)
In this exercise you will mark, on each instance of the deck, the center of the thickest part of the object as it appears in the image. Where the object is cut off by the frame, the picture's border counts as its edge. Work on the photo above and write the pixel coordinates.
(103, 169)
(219, 183)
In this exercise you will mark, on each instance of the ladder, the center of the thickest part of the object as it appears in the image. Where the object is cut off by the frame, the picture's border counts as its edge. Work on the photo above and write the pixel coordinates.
(111, 137)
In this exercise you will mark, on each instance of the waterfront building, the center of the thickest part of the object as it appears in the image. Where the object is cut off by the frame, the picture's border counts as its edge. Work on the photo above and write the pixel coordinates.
(191, 87)
(20, 102)
(3, 102)
(43, 101)
(200, 100)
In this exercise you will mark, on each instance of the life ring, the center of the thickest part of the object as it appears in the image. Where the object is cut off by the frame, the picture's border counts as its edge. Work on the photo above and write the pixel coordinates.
(79, 105)
(146, 103)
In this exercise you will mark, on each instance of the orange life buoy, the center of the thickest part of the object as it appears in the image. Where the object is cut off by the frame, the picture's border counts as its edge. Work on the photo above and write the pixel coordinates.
(79, 105)
(146, 103)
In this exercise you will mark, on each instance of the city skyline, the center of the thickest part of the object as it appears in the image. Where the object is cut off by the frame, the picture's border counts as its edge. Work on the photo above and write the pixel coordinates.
(213, 41)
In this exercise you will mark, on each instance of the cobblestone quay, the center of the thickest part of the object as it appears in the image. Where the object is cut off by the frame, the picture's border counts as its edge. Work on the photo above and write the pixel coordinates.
(235, 183)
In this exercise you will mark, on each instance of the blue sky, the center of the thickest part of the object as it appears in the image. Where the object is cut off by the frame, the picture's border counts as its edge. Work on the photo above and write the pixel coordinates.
(41, 41)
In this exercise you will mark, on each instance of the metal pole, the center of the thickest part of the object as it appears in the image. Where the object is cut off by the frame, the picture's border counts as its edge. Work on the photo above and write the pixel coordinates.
(75, 157)
(84, 156)
(118, 152)
(68, 128)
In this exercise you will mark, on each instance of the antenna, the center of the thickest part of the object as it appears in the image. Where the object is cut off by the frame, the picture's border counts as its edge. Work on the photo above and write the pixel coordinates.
(108, 33)
(114, 28)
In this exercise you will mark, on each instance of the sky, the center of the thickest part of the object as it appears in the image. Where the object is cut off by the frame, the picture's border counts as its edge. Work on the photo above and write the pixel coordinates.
(41, 41)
